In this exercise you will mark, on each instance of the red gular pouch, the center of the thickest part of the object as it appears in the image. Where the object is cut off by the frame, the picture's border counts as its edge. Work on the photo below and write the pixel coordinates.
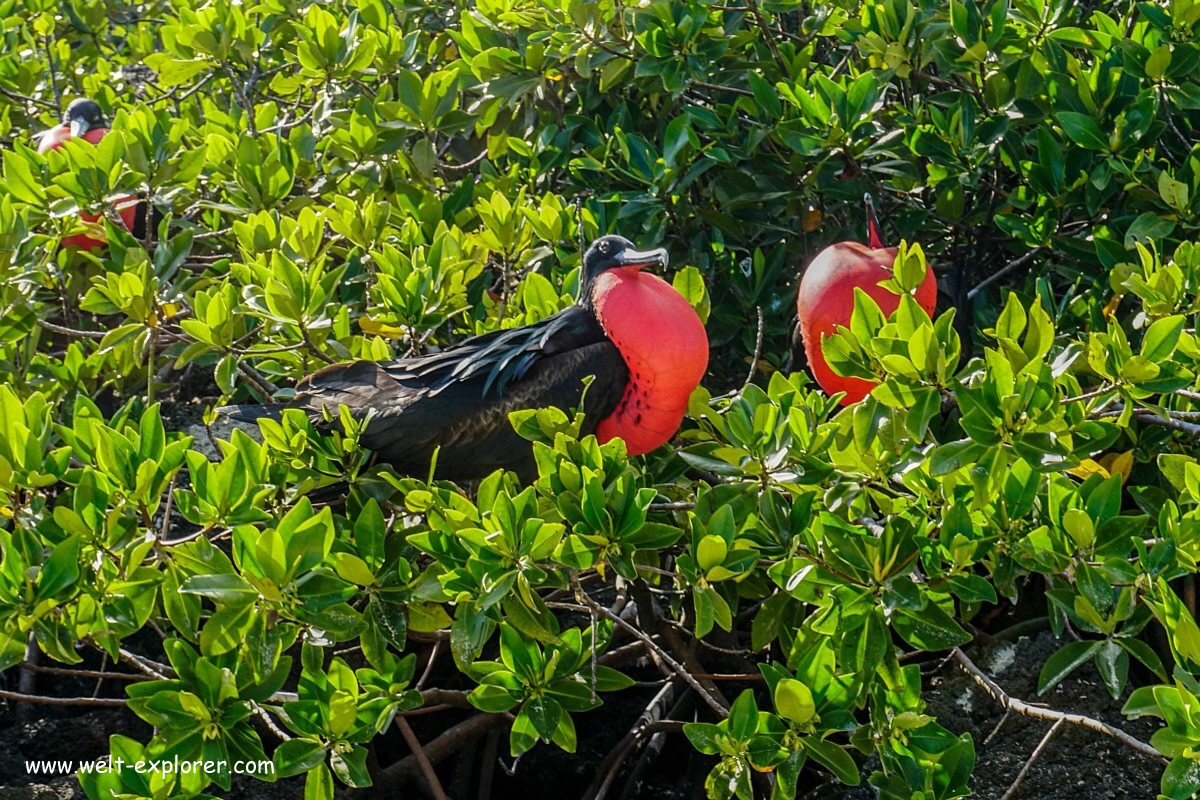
(665, 347)
(826, 300)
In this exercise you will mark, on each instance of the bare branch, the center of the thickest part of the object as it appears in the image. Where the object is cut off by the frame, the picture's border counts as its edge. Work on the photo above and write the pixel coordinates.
(1033, 757)
(1003, 271)
(1020, 707)
(675, 666)
(104, 702)
(418, 752)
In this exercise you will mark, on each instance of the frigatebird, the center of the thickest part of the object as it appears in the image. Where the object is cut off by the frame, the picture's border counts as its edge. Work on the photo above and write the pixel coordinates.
(632, 331)
(84, 119)
(825, 301)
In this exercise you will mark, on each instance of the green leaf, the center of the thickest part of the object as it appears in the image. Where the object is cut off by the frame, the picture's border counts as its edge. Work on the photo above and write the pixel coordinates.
(1065, 661)
(1083, 130)
(297, 755)
(954, 456)
(492, 699)
(1162, 337)
(61, 569)
(226, 588)
(1112, 662)
(1181, 779)
(705, 737)
(794, 701)
(351, 767)
(743, 717)
(689, 282)
(929, 628)
(833, 758)
(319, 784)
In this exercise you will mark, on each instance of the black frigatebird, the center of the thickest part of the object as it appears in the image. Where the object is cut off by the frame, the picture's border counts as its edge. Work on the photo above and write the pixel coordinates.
(631, 330)
(83, 118)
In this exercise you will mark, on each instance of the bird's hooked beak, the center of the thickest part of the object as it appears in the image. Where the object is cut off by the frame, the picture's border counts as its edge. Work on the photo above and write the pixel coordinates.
(637, 259)
(79, 126)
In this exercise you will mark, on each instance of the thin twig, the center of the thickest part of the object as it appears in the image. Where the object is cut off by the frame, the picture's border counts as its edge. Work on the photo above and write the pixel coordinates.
(1189, 428)
(675, 666)
(1009, 703)
(256, 380)
(151, 668)
(1145, 415)
(718, 88)
(1105, 389)
(21, 697)
(433, 654)
(606, 773)
(82, 673)
(390, 779)
(286, 126)
(464, 166)
(418, 752)
(758, 346)
(21, 98)
(78, 334)
(770, 39)
(995, 730)
(1033, 757)
(1003, 271)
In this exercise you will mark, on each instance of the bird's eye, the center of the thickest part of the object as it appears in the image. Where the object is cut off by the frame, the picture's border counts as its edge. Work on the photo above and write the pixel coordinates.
(604, 248)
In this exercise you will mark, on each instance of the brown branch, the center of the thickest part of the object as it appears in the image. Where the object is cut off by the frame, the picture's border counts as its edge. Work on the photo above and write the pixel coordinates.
(82, 673)
(73, 332)
(312, 346)
(267, 720)
(1003, 271)
(675, 666)
(418, 752)
(21, 98)
(717, 88)
(1191, 429)
(1033, 757)
(1009, 703)
(758, 346)
(464, 166)
(446, 697)
(105, 702)
(390, 779)
(1104, 389)
(1146, 415)
(607, 771)
(682, 505)
(770, 39)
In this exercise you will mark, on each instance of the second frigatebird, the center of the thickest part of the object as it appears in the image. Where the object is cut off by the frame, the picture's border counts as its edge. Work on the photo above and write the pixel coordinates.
(631, 330)
(84, 119)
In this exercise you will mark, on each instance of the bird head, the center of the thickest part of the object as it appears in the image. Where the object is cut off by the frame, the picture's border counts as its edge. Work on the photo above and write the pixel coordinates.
(82, 115)
(617, 252)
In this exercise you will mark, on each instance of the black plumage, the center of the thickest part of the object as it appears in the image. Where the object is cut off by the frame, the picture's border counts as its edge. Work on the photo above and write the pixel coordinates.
(459, 399)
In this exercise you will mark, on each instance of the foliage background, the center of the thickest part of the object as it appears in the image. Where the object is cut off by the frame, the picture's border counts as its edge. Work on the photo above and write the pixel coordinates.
(370, 180)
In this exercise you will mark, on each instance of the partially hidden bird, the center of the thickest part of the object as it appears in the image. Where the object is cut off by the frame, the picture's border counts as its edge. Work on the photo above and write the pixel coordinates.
(630, 330)
(84, 119)
(825, 300)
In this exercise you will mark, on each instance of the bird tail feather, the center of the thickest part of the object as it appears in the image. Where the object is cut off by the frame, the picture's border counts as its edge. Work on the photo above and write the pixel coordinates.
(251, 413)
